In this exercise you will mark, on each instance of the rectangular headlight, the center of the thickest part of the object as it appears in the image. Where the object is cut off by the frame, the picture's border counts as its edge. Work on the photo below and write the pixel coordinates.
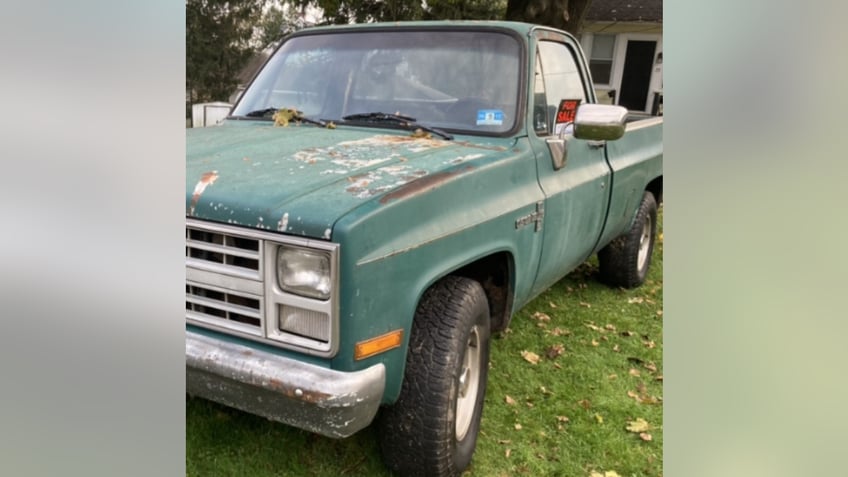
(304, 272)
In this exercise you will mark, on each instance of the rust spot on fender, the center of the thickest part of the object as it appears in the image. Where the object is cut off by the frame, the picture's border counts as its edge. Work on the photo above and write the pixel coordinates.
(206, 179)
(420, 185)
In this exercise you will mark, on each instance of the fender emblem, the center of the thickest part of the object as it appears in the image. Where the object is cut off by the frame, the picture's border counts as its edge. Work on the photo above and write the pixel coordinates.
(535, 217)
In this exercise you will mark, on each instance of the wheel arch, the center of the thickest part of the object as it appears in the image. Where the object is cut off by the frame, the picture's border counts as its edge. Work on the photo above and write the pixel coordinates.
(655, 187)
(494, 271)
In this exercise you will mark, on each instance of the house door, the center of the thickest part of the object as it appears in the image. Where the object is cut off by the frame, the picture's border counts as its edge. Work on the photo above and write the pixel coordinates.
(636, 77)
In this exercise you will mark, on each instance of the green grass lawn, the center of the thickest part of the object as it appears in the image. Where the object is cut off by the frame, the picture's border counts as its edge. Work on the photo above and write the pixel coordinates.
(599, 369)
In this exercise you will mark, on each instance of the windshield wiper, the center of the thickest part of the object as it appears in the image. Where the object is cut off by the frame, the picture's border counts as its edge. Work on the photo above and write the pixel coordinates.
(406, 122)
(298, 116)
(379, 117)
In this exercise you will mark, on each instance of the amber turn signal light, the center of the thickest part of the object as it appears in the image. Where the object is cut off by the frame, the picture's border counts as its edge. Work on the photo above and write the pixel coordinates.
(378, 344)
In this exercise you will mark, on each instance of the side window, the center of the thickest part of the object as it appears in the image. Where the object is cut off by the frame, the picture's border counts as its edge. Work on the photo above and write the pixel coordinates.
(563, 86)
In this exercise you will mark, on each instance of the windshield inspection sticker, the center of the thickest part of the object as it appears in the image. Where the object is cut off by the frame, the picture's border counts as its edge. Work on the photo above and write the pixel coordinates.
(490, 117)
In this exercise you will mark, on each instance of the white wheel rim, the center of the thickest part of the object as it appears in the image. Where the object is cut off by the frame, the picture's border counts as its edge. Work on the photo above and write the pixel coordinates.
(468, 384)
(644, 243)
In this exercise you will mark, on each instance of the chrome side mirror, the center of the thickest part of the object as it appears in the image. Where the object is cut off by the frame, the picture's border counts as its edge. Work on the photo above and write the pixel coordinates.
(599, 122)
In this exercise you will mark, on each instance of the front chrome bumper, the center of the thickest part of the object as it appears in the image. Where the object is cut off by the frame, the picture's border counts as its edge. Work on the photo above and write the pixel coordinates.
(332, 403)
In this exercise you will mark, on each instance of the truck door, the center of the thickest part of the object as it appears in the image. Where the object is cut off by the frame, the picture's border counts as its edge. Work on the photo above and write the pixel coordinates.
(576, 191)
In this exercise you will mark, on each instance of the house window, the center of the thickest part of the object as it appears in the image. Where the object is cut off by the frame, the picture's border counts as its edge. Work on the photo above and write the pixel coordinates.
(600, 62)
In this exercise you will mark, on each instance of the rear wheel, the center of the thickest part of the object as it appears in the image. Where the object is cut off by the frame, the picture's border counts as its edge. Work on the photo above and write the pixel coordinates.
(625, 261)
(432, 429)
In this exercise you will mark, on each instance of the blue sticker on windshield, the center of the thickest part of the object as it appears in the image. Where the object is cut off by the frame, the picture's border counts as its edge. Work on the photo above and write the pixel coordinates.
(490, 117)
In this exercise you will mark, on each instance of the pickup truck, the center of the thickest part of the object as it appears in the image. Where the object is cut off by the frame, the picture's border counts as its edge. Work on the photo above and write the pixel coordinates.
(384, 197)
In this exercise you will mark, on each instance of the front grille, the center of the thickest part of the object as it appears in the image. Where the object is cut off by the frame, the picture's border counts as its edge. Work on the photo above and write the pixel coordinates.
(235, 303)
(224, 252)
(225, 305)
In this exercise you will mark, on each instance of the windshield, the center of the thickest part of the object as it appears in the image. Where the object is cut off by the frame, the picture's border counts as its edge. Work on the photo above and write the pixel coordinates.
(453, 80)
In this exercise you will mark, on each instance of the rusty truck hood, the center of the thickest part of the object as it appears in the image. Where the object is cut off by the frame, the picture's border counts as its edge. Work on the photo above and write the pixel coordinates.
(301, 179)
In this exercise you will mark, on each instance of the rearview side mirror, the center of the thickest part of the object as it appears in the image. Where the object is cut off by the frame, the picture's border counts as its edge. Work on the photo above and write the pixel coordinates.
(599, 122)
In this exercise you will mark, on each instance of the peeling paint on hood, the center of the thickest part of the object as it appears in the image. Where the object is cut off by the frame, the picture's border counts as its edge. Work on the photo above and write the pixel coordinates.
(206, 179)
(300, 180)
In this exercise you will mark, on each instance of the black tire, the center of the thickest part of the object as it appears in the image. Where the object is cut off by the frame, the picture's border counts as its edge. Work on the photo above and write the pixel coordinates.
(423, 433)
(621, 264)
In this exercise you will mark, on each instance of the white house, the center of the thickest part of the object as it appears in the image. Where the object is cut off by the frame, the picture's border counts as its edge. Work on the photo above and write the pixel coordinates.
(623, 40)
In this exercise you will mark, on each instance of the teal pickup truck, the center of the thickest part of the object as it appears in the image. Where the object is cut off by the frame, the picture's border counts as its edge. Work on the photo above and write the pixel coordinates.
(384, 197)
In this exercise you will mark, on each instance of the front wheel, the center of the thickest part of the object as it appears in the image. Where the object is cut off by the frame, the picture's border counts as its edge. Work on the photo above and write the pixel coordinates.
(626, 260)
(432, 428)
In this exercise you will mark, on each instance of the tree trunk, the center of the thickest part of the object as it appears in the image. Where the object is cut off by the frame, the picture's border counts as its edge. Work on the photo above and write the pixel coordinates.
(566, 15)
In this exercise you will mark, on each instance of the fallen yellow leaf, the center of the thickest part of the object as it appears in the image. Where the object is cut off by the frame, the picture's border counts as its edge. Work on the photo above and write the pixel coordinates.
(634, 372)
(541, 316)
(554, 351)
(649, 400)
(517, 426)
(510, 401)
(645, 436)
(639, 425)
(530, 357)
(595, 343)
(599, 418)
